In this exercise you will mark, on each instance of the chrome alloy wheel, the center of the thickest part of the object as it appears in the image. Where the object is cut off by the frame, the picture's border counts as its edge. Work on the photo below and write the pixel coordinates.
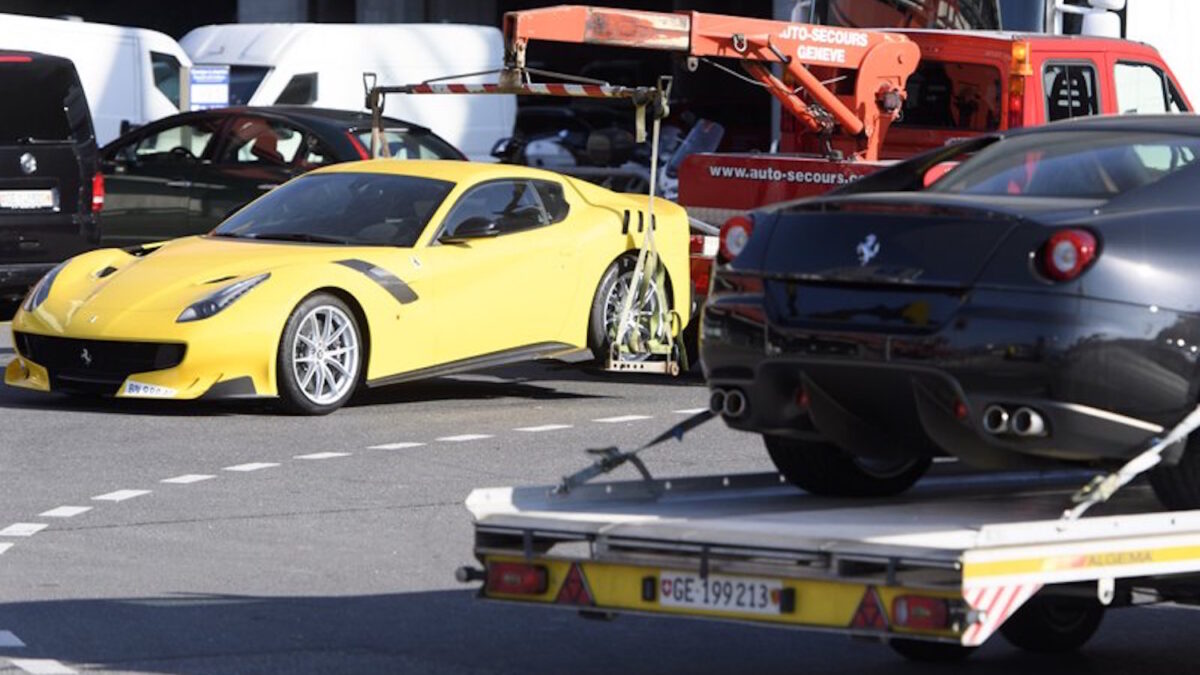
(325, 355)
(641, 313)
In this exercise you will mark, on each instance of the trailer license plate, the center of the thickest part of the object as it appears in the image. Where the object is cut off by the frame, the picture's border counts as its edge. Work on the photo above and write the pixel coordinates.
(27, 199)
(739, 595)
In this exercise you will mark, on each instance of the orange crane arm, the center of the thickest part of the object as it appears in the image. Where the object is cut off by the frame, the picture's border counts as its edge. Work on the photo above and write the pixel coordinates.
(883, 61)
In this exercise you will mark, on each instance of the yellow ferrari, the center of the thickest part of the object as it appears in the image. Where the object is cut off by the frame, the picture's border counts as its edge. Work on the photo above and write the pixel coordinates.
(362, 273)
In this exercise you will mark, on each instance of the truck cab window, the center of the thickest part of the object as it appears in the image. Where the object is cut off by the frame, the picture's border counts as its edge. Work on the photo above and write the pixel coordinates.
(300, 90)
(1070, 90)
(1142, 88)
(166, 75)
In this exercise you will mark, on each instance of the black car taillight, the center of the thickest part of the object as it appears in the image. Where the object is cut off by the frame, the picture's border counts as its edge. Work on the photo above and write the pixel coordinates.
(1067, 254)
(97, 192)
(734, 235)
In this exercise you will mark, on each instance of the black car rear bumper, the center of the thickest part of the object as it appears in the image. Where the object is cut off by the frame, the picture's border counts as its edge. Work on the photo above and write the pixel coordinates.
(1103, 376)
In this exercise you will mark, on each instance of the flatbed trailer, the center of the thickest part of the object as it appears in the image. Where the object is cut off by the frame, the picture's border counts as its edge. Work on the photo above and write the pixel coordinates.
(933, 573)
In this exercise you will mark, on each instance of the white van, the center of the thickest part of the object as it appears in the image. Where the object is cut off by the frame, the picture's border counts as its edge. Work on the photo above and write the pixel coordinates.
(131, 76)
(323, 65)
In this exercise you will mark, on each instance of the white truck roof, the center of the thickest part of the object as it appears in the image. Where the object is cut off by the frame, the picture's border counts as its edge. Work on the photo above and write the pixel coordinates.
(113, 64)
(339, 54)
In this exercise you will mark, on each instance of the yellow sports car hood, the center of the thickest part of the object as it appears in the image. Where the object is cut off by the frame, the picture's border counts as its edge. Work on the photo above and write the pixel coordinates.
(180, 271)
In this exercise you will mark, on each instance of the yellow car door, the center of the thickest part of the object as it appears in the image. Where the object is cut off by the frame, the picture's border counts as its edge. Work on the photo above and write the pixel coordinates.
(501, 273)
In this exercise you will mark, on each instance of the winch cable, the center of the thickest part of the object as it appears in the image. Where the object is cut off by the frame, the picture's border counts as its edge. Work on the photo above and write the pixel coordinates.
(1103, 487)
(612, 457)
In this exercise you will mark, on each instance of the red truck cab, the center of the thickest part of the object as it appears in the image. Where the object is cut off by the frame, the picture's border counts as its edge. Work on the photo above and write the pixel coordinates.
(967, 83)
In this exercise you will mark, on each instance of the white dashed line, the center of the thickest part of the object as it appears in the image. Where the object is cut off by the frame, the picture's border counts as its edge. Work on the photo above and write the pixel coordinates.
(23, 529)
(252, 466)
(8, 639)
(42, 667)
(395, 446)
(323, 455)
(120, 495)
(689, 411)
(187, 478)
(4, 547)
(464, 437)
(622, 418)
(944, 460)
(544, 427)
(65, 511)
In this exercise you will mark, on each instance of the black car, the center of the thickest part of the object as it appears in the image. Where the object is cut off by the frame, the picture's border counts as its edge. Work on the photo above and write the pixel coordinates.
(1035, 306)
(184, 173)
(49, 186)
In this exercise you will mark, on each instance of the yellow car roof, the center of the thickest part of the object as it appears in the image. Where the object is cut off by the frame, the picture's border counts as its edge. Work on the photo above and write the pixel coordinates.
(452, 170)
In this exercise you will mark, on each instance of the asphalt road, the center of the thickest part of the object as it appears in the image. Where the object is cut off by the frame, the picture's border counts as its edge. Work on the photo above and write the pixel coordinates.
(165, 538)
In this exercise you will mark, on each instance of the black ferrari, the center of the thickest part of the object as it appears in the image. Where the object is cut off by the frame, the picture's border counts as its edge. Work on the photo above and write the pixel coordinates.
(1037, 305)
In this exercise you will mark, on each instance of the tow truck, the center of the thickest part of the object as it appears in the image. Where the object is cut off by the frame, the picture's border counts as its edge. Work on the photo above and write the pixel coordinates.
(933, 574)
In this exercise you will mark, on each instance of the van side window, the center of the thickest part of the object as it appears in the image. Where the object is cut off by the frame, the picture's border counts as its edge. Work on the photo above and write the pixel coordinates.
(166, 75)
(1143, 88)
(1070, 90)
(300, 90)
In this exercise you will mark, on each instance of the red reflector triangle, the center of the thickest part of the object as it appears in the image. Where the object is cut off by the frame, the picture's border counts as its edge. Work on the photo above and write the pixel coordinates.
(574, 590)
(870, 614)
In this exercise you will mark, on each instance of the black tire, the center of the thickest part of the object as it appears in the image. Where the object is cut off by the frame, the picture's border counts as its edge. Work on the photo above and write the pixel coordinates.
(823, 469)
(1178, 487)
(1049, 625)
(930, 652)
(599, 331)
(292, 387)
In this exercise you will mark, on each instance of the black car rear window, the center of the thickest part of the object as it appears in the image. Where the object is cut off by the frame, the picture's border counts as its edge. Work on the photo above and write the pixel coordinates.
(39, 97)
(1082, 164)
(361, 209)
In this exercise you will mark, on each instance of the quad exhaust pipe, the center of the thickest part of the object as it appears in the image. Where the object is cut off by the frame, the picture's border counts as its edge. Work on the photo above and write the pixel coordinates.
(1027, 422)
(1024, 421)
(728, 402)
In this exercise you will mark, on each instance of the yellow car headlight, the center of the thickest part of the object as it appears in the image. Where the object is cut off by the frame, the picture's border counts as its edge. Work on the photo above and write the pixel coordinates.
(219, 300)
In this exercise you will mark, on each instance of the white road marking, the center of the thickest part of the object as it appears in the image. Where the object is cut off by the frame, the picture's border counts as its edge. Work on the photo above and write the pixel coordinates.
(252, 466)
(8, 639)
(944, 460)
(464, 437)
(4, 547)
(42, 667)
(120, 495)
(395, 446)
(544, 427)
(689, 411)
(187, 478)
(622, 418)
(323, 455)
(65, 511)
(23, 529)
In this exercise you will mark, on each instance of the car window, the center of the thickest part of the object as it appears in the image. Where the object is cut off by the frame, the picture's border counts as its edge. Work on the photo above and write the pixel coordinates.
(1070, 90)
(342, 207)
(1143, 88)
(1083, 164)
(179, 143)
(244, 81)
(553, 200)
(513, 205)
(944, 94)
(166, 75)
(300, 90)
(405, 144)
(254, 140)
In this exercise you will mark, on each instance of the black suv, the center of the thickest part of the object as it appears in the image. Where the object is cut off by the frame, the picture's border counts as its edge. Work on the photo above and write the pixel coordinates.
(50, 187)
